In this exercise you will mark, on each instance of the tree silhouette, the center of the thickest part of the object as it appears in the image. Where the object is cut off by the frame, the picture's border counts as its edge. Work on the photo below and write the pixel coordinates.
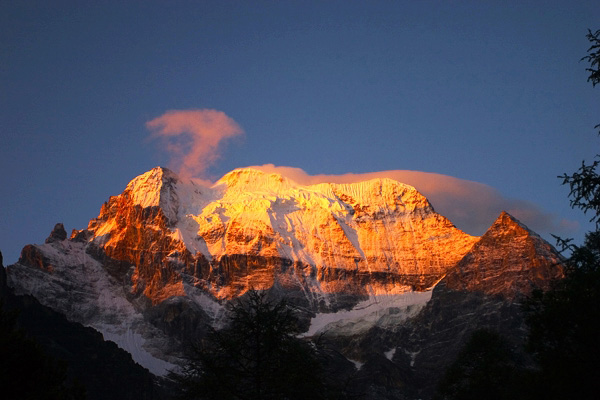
(256, 356)
(487, 367)
(564, 322)
(593, 57)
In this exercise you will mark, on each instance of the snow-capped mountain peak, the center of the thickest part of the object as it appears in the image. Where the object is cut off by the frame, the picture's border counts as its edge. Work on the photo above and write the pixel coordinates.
(168, 252)
(147, 189)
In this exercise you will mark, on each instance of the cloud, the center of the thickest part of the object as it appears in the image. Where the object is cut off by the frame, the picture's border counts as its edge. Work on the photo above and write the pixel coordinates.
(471, 206)
(192, 137)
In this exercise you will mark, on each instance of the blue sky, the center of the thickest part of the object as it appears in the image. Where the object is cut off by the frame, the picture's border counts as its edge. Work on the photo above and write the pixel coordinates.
(487, 92)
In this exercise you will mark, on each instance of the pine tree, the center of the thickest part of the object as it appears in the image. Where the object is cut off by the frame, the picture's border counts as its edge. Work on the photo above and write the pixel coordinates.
(258, 355)
(565, 321)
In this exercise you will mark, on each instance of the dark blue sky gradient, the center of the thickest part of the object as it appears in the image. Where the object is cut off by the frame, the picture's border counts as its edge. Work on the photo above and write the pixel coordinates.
(482, 91)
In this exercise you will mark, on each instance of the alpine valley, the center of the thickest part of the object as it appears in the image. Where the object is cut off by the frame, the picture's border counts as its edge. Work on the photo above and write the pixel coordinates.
(393, 288)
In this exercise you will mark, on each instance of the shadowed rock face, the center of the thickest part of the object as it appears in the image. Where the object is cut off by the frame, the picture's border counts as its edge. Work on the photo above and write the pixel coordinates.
(57, 234)
(105, 371)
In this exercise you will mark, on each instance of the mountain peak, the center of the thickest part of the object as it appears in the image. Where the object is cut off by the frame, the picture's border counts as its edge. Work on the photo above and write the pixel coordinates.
(155, 188)
(145, 189)
(251, 179)
(507, 219)
(507, 224)
(509, 260)
(167, 253)
(57, 234)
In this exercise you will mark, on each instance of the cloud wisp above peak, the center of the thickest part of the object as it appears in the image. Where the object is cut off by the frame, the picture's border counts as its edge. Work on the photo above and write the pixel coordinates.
(192, 138)
(471, 206)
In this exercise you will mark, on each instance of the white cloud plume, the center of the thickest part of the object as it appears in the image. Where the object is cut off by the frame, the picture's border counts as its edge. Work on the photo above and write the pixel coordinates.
(192, 137)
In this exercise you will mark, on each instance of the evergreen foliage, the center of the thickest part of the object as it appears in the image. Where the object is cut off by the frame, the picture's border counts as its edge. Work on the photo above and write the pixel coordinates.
(593, 57)
(564, 333)
(256, 356)
(486, 368)
(565, 322)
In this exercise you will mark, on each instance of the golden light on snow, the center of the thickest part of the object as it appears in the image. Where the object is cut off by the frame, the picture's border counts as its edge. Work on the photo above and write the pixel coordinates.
(249, 220)
(472, 206)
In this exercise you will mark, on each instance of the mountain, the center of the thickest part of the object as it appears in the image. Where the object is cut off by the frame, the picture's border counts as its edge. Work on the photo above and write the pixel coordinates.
(161, 260)
(509, 260)
(253, 229)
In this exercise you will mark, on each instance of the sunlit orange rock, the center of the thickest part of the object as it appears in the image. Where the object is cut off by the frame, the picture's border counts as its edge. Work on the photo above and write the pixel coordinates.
(509, 260)
(255, 230)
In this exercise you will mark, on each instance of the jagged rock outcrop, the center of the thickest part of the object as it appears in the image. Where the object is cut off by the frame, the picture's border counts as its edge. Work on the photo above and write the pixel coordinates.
(57, 234)
(509, 260)
(68, 277)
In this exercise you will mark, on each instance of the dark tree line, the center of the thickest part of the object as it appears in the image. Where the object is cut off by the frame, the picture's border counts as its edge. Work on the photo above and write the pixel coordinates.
(565, 322)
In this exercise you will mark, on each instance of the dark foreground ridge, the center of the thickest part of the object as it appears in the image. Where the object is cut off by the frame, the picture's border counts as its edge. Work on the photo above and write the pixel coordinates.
(102, 369)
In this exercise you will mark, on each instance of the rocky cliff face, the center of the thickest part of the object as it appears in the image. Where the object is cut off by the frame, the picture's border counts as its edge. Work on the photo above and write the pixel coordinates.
(509, 260)
(253, 229)
(163, 257)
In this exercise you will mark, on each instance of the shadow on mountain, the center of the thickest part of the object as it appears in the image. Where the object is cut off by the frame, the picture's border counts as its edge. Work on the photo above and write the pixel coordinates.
(77, 358)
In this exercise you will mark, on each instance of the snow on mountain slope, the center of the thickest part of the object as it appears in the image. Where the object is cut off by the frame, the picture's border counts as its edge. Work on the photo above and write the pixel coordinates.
(295, 216)
(69, 280)
(378, 310)
(379, 228)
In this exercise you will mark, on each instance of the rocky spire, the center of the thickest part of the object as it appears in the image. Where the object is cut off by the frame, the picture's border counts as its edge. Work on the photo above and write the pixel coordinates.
(57, 234)
(509, 260)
